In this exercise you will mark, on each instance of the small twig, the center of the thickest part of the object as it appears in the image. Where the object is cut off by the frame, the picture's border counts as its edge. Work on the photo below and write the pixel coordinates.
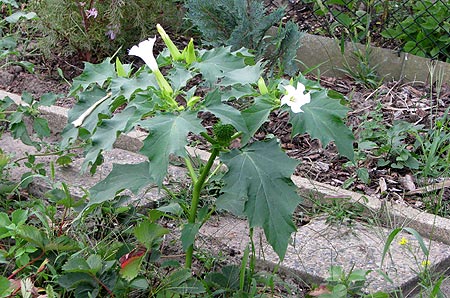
(430, 187)
(26, 265)
(103, 286)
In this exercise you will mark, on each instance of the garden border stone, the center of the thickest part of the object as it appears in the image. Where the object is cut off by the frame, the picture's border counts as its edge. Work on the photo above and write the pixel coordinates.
(427, 225)
(325, 53)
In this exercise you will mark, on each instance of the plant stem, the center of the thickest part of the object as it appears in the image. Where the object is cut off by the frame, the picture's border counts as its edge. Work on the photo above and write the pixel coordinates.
(190, 168)
(196, 199)
(26, 265)
(48, 153)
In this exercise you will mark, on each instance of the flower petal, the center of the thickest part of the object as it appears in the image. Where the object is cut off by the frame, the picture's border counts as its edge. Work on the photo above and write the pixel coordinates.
(296, 109)
(295, 97)
(144, 50)
(300, 87)
(289, 88)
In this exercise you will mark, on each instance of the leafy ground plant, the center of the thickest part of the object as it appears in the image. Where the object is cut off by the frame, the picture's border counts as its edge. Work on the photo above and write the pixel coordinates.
(342, 285)
(11, 16)
(114, 99)
(430, 282)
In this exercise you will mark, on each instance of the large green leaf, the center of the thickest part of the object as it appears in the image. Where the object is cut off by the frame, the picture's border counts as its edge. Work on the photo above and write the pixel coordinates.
(85, 285)
(323, 119)
(188, 234)
(256, 115)
(179, 76)
(85, 100)
(33, 235)
(128, 86)
(258, 185)
(246, 75)
(5, 287)
(40, 126)
(220, 65)
(94, 73)
(128, 176)
(105, 135)
(226, 113)
(182, 282)
(167, 136)
(78, 264)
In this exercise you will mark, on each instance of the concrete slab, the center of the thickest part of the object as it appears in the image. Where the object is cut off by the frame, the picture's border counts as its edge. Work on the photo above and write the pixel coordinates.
(318, 245)
(79, 182)
(325, 53)
(389, 214)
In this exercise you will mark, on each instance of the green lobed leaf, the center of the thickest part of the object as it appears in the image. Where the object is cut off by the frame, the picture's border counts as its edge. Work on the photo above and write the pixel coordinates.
(227, 279)
(85, 100)
(167, 136)
(40, 126)
(94, 73)
(147, 233)
(129, 86)
(105, 135)
(322, 118)
(19, 131)
(18, 217)
(61, 244)
(249, 74)
(95, 263)
(181, 282)
(188, 234)
(220, 65)
(76, 264)
(179, 76)
(48, 99)
(256, 115)
(226, 113)
(131, 269)
(127, 176)
(33, 235)
(258, 185)
(72, 280)
(191, 287)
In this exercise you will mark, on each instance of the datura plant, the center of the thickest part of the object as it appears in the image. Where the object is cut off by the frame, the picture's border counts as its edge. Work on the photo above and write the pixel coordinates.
(166, 96)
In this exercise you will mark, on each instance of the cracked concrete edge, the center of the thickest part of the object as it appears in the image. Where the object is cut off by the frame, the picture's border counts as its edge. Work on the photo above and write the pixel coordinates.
(389, 213)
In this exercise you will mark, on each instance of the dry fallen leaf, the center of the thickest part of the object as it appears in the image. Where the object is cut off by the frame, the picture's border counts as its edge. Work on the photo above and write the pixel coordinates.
(408, 182)
(322, 289)
(383, 186)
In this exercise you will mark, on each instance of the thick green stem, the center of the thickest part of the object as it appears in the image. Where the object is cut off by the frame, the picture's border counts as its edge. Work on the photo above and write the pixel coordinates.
(196, 199)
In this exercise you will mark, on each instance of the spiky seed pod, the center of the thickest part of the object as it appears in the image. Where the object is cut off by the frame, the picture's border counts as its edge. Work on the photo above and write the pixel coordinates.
(223, 133)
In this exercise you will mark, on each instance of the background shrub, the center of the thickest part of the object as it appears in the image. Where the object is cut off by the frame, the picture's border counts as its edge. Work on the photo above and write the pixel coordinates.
(247, 24)
(97, 29)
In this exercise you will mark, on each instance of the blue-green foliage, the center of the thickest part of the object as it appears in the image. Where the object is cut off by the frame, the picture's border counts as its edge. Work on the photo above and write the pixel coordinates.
(247, 24)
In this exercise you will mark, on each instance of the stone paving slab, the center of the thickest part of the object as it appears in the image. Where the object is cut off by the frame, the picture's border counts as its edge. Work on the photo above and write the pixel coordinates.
(79, 182)
(318, 245)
